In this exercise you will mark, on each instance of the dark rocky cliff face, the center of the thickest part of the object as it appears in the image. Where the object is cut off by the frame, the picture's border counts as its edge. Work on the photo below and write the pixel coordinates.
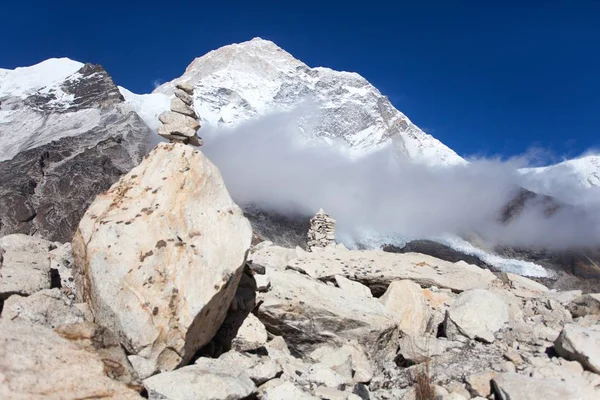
(45, 189)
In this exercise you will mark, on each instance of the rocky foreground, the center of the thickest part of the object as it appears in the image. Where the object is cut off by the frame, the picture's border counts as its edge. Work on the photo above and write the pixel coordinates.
(161, 295)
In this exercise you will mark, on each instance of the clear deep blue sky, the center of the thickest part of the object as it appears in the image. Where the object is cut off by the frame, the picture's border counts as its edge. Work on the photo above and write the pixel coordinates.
(486, 79)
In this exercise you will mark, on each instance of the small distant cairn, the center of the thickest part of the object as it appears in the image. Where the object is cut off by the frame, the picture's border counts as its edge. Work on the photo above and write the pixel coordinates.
(321, 232)
(181, 123)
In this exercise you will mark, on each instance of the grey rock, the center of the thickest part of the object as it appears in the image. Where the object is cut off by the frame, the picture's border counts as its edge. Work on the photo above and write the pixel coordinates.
(183, 96)
(476, 314)
(580, 344)
(46, 187)
(173, 118)
(186, 87)
(178, 106)
(511, 386)
(588, 304)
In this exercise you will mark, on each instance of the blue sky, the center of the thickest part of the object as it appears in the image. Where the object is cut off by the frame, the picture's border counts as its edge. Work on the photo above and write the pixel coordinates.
(487, 79)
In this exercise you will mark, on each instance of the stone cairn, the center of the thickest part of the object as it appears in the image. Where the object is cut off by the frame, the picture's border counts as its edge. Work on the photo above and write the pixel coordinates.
(322, 231)
(181, 123)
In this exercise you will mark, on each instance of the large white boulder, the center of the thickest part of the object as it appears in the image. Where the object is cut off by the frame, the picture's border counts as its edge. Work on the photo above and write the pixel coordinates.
(378, 269)
(309, 313)
(36, 363)
(406, 302)
(159, 256)
(24, 265)
(580, 344)
(512, 386)
(476, 314)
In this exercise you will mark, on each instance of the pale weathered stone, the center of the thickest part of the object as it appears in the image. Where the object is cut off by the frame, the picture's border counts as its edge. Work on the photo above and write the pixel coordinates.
(175, 131)
(259, 369)
(282, 390)
(25, 266)
(480, 384)
(352, 287)
(476, 314)
(251, 335)
(511, 386)
(269, 256)
(199, 382)
(173, 118)
(160, 254)
(406, 302)
(418, 349)
(524, 287)
(37, 363)
(580, 344)
(183, 96)
(361, 370)
(186, 87)
(588, 304)
(263, 283)
(48, 307)
(178, 106)
(378, 269)
(309, 313)
(105, 344)
(322, 375)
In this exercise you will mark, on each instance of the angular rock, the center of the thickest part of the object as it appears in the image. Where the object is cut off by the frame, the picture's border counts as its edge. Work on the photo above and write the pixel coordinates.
(476, 314)
(349, 361)
(159, 256)
(25, 266)
(511, 386)
(105, 344)
(282, 390)
(263, 283)
(173, 118)
(406, 302)
(48, 366)
(251, 335)
(322, 375)
(480, 384)
(183, 96)
(186, 87)
(588, 304)
(524, 287)
(580, 344)
(48, 307)
(199, 382)
(415, 350)
(352, 287)
(178, 106)
(259, 369)
(269, 256)
(175, 131)
(377, 269)
(309, 313)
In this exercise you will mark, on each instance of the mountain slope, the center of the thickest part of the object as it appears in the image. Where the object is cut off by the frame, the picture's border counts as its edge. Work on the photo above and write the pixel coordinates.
(66, 134)
(242, 81)
(582, 172)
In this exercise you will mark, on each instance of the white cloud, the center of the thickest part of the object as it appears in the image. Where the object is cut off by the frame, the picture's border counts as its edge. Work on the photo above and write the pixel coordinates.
(264, 163)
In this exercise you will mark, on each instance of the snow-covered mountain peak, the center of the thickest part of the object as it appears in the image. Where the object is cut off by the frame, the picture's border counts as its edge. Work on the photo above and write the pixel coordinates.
(567, 176)
(246, 80)
(23, 81)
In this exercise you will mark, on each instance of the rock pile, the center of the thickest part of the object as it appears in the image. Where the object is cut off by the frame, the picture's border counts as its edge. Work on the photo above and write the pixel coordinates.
(177, 304)
(322, 231)
(181, 123)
